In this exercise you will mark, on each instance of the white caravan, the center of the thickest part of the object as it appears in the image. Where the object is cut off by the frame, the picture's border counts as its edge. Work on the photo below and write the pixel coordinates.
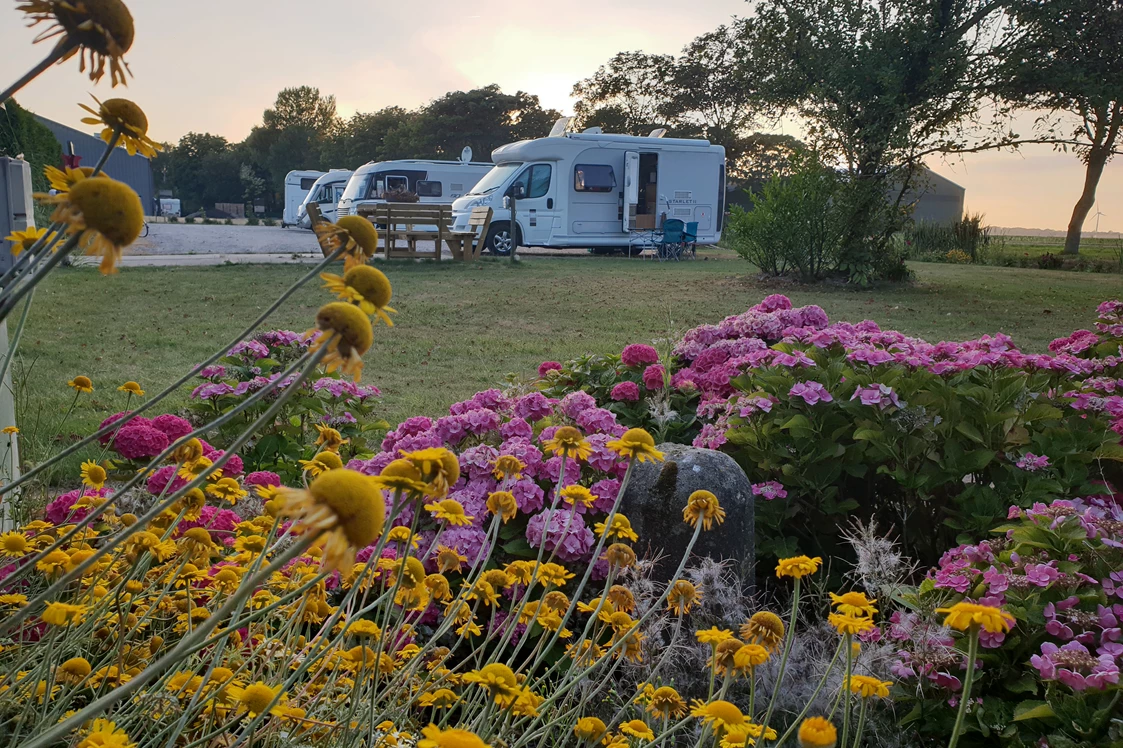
(327, 192)
(297, 185)
(434, 182)
(595, 190)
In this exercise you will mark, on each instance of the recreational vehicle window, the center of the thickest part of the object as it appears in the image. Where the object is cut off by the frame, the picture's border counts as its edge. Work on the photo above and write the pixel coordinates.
(428, 188)
(539, 180)
(495, 178)
(594, 178)
(394, 182)
(307, 183)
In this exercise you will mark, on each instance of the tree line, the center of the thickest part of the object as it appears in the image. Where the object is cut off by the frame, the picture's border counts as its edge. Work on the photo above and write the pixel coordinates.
(878, 85)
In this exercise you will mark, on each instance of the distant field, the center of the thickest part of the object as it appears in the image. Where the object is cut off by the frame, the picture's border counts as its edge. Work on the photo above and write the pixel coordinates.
(1096, 249)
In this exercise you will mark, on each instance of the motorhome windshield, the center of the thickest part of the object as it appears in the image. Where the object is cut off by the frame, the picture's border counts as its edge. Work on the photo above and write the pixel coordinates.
(495, 178)
(357, 186)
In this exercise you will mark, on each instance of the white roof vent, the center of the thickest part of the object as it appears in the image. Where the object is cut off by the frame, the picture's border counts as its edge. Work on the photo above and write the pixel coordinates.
(658, 132)
(560, 127)
(593, 130)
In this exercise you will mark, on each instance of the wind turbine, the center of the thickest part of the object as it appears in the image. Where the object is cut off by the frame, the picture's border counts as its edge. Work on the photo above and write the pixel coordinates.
(1099, 213)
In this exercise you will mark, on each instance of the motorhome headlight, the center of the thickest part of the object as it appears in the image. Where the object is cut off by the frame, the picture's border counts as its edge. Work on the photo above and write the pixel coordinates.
(476, 203)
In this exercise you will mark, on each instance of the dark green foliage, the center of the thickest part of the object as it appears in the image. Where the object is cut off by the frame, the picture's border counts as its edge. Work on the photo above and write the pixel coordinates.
(21, 133)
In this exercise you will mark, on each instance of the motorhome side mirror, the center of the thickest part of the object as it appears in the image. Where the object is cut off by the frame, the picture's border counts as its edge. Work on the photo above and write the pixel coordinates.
(518, 191)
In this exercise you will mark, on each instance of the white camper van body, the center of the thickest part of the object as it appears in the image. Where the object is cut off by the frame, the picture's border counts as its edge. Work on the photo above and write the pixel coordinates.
(327, 191)
(595, 189)
(434, 182)
(297, 185)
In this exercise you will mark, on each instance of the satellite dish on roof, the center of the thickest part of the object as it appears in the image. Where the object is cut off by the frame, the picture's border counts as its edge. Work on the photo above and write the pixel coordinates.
(658, 132)
(466, 154)
(560, 127)
(593, 130)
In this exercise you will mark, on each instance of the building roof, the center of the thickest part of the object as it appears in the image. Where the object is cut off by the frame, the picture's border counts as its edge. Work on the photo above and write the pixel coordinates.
(135, 171)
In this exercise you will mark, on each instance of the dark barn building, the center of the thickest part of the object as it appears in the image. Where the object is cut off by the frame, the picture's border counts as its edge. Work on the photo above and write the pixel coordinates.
(135, 171)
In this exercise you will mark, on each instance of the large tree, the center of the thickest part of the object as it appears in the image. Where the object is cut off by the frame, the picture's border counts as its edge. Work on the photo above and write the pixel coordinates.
(202, 169)
(630, 94)
(373, 136)
(1065, 58)
(483, 118)
(880, 84)
(302, 106)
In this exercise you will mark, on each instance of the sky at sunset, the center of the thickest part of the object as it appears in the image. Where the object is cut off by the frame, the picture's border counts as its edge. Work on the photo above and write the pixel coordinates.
(214, 66)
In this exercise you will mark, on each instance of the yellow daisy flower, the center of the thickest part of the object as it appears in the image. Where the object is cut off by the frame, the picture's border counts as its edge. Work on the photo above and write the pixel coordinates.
(128, 120)
(798, 567)
(964, 615)
(637, 444)
(81, 383)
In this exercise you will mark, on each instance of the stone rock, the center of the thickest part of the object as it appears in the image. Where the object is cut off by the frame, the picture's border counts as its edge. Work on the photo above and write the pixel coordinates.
(658, 492)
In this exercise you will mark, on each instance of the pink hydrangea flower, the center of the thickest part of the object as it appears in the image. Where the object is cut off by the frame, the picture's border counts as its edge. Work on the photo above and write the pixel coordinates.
(1032, 463)
(165, 481)
(174, 426)
(770, 490)
(562, 532)
(877, 394)
(134, 442)
(811, 392)
(533, 407)
(262, 478)
(654, 377)
(638, 354)
(137, 421)
(627, 392)
(575, 403)
(546, 367)
(61, 511)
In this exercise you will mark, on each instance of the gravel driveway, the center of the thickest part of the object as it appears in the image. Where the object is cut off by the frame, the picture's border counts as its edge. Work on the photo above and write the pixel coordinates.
(190, 239)
(198, 239)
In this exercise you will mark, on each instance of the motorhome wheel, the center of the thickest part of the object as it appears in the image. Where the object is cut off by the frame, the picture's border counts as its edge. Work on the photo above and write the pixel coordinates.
(498, 240)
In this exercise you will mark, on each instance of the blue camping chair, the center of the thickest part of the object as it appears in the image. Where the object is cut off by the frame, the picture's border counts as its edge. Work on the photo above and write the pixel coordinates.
(690, 238)
(670, 243)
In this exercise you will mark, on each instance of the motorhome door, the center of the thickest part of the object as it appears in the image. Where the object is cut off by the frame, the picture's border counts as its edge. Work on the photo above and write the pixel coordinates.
(631, 189)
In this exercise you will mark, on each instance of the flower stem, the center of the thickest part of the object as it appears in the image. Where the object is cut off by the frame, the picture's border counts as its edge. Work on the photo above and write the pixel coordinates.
(861, 724)
(972, 652)
(56, 54)
(810, 701)
(846, 690)
(789, 639)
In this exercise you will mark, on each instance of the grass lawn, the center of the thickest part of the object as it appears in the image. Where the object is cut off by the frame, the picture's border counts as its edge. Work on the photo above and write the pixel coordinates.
(462, 328)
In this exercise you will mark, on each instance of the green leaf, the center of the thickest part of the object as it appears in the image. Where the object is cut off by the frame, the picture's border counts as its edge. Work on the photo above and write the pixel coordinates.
(295, 420)
(1026, 684)
(1032, 709)
(970, 432)
(867, 434)
(978, 459)
(797, 422)
(1112, 451)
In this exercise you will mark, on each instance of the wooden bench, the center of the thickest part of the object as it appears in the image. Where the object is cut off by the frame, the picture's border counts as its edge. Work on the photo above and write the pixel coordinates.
(410, 223)
(467, 245)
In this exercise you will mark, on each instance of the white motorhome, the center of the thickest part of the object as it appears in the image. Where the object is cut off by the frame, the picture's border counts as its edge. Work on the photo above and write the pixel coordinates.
(596, 190)
(434, 182)
(297, 185)
(327, 192)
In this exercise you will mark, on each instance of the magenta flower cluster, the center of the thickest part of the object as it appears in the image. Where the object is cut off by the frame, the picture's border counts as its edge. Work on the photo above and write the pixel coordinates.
(1077, 593)
(491, 424)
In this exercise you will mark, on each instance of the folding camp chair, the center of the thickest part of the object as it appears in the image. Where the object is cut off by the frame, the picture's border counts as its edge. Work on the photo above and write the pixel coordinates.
(690, 238)
(670, 242)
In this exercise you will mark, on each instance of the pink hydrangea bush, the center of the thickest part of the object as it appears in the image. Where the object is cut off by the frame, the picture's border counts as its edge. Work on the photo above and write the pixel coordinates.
(330, 400)
(492, 424)
(849, 419)
(1054, 678)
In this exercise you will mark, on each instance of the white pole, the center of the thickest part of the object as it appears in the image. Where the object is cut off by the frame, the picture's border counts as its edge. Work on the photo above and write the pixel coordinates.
(17, 213)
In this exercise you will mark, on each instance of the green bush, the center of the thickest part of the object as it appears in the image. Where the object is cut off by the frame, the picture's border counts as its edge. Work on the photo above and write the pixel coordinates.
(934, 456)
(794, 226)
(229, 222)
(269, 222)
(189, 219)
(253, 221)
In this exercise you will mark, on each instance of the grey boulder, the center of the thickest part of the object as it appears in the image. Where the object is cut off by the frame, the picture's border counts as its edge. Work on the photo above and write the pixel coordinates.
(657, 493)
